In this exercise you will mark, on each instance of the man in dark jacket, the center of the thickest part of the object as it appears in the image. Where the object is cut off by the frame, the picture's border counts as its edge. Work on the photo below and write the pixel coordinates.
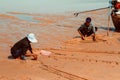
(87, 29)
(20, 48)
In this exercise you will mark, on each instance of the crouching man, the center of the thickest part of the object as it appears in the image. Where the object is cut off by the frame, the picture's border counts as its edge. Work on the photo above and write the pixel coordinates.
(87, 29)
(20, 48)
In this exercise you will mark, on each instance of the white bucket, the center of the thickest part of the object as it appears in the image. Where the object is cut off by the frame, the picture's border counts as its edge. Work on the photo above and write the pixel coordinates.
(46, 53)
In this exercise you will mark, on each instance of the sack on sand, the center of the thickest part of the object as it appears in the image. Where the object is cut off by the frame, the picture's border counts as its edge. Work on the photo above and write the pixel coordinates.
(46, 53)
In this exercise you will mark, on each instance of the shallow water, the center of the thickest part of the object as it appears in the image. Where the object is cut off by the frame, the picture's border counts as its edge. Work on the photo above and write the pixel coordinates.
(50, 6)
(24, 17)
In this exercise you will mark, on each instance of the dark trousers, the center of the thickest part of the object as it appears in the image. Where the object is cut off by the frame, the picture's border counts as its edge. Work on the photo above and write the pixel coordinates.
(17, 53)
(85, 33)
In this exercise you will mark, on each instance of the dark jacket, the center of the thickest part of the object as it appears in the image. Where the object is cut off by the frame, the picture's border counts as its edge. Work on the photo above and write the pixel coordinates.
(22, 45)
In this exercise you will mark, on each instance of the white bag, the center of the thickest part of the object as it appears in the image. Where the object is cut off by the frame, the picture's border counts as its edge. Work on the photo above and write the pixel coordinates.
(46, 53)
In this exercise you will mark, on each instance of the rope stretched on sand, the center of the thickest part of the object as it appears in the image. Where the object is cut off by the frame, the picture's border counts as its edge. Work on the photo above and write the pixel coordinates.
(61, 73)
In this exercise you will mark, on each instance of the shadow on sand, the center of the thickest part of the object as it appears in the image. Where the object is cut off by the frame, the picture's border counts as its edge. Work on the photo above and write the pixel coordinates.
(10, 57)
(76, 37)
(106, 28)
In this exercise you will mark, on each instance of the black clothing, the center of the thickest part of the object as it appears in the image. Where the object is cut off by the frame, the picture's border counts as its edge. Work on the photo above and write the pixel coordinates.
(21, 47)
(86, 31)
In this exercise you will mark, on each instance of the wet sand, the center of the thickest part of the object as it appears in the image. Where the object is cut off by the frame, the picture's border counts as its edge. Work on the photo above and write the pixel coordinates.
(71, 58)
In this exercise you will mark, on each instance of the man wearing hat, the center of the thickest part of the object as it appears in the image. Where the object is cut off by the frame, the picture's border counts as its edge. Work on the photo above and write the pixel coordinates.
(87, 29)
(20, 48)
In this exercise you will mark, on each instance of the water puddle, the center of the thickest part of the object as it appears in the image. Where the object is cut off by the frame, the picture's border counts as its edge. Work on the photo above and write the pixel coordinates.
(25, 17)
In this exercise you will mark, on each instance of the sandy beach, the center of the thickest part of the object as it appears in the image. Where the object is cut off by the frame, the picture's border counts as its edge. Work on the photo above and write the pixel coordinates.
(71, 58)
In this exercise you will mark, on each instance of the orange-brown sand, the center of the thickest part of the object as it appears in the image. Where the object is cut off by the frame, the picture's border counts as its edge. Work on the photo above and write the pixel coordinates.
(71, 58)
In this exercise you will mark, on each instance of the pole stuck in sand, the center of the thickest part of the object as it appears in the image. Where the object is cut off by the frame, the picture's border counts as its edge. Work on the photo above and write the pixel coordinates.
(109, 14)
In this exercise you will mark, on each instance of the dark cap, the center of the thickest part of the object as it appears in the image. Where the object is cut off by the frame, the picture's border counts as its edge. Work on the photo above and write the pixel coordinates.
(88, 19)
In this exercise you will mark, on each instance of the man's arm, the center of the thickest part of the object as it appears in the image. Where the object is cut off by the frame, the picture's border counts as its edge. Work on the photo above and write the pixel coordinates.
(34, 55)
(94, 31)
(30, 48)
(79, 31)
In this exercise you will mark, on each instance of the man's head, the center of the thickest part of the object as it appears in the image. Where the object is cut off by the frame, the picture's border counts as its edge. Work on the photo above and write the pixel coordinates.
(31, 38)
(88, 21)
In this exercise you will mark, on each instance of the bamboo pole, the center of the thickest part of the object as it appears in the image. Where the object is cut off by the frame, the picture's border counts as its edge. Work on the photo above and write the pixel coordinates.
(109, 14)
(77, 13)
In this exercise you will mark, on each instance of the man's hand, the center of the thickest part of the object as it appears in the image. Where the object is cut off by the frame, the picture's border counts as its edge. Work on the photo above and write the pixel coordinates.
(34, 56)
(93, 37)
(82, 37)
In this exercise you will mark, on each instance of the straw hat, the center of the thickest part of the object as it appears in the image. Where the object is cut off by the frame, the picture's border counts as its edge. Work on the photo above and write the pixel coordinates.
(31, 38)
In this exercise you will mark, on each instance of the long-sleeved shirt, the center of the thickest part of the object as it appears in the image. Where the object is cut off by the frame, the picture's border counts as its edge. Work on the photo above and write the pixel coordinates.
(22, 45)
